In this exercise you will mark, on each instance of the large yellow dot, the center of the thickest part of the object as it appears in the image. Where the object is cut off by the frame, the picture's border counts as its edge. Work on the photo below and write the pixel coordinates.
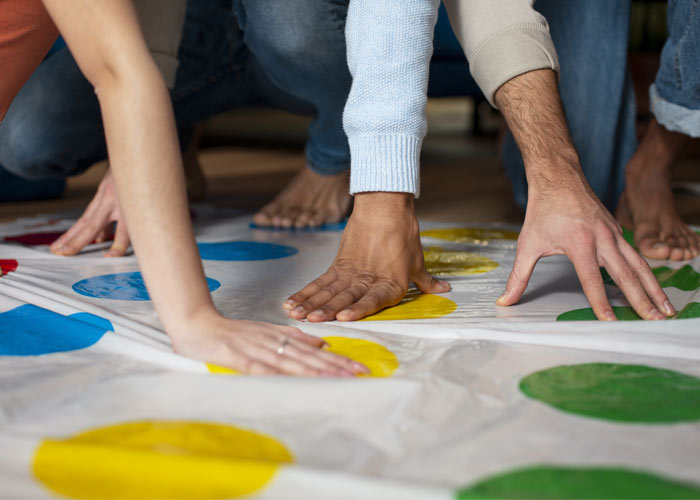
(221, 370)
(441, 262)
(380, 360)
(416, 305)
(160, 460)
(476, 235)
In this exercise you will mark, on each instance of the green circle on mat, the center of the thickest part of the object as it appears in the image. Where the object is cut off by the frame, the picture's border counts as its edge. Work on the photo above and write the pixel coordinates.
(578, 483)
(587, 314)
(627, 393)
(690, 311)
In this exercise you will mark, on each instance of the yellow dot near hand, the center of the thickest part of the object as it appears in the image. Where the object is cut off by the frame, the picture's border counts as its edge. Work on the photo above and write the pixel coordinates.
(416, 305)
(221, 370)
(476, 235)
(380, 360)
(160, 460)
(440, 262)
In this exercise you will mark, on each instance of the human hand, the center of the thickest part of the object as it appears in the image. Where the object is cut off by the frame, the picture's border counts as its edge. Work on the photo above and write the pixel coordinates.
(380, 253)
(573, 222)
(259, 348)
(94, 224)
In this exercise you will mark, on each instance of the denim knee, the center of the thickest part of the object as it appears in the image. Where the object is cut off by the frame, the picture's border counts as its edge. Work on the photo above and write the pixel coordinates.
(53, 128)
(296, 32)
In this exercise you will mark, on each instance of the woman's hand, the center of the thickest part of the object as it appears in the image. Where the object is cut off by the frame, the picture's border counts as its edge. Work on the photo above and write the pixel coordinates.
(260, 348)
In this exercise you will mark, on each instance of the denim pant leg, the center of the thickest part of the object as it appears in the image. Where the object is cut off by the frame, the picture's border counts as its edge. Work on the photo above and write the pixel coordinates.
(591, 38)
(675, 94)
(53, 128)
(301, 46)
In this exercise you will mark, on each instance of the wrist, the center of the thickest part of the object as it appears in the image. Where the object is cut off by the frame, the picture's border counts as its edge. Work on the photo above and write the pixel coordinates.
(181, 326)
(546, 174)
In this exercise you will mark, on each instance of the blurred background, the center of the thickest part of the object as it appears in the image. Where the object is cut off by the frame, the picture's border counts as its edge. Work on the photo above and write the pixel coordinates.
(247, 156)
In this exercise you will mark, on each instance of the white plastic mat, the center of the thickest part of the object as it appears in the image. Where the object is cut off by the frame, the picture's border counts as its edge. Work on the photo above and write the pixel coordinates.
(475, 402)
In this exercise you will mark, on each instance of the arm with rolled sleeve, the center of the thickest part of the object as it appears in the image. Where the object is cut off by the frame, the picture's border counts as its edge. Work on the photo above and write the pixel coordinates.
(502, 39)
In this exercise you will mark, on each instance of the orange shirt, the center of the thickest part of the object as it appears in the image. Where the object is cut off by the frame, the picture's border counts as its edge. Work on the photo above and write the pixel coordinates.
(26, 35)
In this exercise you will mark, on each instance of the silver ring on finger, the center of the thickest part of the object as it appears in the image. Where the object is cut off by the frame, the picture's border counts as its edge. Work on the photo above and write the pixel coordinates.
(283, 344)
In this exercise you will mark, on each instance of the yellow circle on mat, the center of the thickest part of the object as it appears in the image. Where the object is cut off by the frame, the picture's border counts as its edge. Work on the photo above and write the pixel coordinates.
(416, 305)
(221, 370)
(478, 235)
(160, 460)
(441, 262)
(380, 360)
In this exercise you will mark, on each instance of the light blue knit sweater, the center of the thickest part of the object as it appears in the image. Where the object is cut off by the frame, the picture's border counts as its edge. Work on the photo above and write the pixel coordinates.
(390, 43)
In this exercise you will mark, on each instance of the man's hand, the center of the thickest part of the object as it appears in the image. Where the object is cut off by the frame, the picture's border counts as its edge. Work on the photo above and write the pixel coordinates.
(95, 224)
(379, 254)
(564, 216)
(571, 221)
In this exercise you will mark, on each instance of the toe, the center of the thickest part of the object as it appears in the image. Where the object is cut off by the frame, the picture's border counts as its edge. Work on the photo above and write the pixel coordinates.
(654, 248)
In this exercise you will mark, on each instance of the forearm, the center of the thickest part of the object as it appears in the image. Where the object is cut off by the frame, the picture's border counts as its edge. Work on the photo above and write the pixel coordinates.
(502, 39)
(143, 151)
(389, 51)
(533, 111)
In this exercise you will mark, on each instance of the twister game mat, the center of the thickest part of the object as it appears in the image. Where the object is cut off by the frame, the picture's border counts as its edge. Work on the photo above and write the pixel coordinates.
(465, 400)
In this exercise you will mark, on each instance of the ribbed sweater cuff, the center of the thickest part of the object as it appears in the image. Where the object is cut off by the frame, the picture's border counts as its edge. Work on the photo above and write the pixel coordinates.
(388, 162)
(511, 53)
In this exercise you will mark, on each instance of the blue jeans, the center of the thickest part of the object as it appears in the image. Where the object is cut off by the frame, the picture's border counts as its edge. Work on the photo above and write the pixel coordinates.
(591, 38)
(272, 55)
(675, 94)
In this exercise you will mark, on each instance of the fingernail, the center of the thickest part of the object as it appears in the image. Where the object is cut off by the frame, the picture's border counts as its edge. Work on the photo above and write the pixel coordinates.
(325, 345)
(317, 312)
(358, 367)
(654, 313)
(610, 316)
(298, 309)
(670, 310)
(658, 245)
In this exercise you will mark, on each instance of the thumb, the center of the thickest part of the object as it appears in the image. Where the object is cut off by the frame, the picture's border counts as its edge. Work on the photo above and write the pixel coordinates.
(519, 277)
(427, 283)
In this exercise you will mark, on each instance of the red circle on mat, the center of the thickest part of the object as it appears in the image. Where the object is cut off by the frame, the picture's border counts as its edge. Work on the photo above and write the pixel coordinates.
(36, 239)
(8, 266)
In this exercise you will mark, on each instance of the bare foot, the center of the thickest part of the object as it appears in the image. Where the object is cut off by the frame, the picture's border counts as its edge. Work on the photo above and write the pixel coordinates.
(647, 206)
(310, 200)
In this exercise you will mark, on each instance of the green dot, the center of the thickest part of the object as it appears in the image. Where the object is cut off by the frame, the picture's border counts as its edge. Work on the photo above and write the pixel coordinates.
(690, 311)
(587, 314)
(629, 237)
(686, 278)
(626, 393)
(578, 483)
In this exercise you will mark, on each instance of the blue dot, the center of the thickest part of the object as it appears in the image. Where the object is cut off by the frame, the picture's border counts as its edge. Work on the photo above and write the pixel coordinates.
(122, 286)
(29, 330)
(335, 226)
(244, 250)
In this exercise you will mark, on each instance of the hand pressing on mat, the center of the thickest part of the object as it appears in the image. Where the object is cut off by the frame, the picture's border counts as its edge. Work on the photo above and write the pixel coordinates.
(379, 254)
(95, 225)
(563, 214)
(260, 348)
(571, 221)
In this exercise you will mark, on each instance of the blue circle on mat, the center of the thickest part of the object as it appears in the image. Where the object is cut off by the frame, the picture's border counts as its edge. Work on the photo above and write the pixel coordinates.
(122, 286)
(244, 250)
(29, 330)
(335, 226)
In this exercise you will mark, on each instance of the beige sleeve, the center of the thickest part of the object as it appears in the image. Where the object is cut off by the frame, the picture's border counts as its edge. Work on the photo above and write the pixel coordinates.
(502, 39)
(162, 22)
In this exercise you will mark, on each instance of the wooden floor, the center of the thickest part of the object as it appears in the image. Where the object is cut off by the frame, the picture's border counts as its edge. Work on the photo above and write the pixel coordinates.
(249, 155)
